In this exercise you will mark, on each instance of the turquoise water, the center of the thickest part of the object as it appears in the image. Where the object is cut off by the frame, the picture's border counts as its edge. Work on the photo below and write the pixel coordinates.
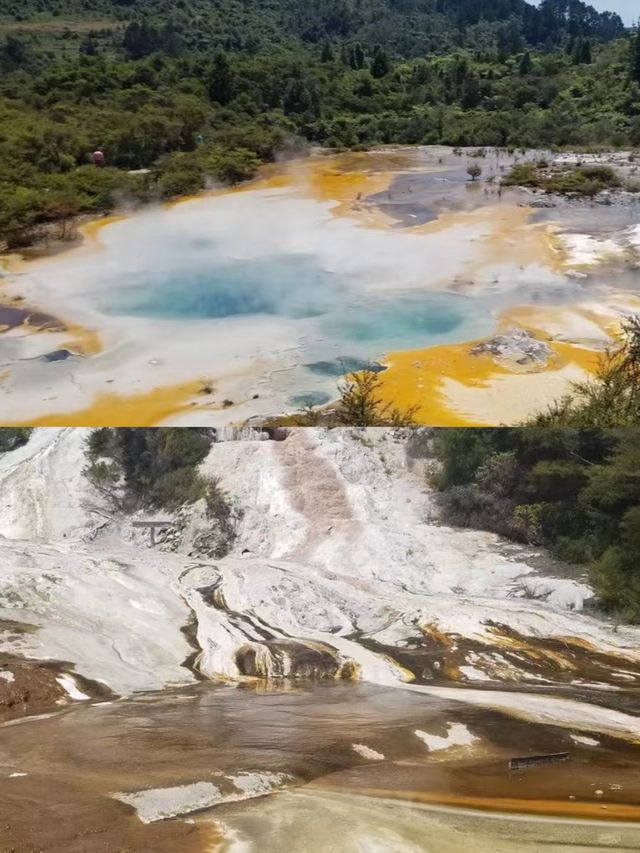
(285, 286)
(433, 317)
(295, 287)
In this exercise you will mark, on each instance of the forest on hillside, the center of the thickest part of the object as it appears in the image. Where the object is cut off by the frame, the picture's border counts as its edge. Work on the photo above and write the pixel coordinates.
(178, 95)
(405, 27)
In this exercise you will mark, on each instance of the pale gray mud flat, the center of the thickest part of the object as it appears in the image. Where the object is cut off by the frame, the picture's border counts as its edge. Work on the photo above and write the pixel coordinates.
(353, 676)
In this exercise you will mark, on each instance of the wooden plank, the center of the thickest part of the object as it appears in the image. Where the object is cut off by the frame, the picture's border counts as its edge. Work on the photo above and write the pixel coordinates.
(152, 526)
(534, 760)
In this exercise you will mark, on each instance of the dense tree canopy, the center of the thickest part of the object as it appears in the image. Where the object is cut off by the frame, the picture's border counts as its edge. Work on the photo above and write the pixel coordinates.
(574, 490)
(181, 94)
(153, 469)
(406, 27)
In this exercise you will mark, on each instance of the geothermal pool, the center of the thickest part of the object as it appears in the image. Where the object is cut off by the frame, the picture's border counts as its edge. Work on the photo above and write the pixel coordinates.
(255, 301)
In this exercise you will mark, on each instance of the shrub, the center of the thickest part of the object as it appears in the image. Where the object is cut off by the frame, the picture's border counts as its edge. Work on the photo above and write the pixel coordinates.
(474, 171)
(576, 491)
(13, 437)
(101, 442)
(522, 175)
(584, 180)
(155, 467)
(361, 406)
(612, 398)
(175, 488)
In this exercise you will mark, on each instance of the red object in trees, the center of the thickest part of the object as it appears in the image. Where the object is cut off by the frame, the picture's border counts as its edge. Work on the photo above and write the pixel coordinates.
(98, 158)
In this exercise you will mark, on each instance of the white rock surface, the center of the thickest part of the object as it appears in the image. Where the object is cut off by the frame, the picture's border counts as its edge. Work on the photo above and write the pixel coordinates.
(457, 735)
(366, 752)
(155, 804)
(337, 543)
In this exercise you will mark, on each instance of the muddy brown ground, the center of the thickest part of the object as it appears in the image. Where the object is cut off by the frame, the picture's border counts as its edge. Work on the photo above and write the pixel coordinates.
(33, 690)
(58, 775)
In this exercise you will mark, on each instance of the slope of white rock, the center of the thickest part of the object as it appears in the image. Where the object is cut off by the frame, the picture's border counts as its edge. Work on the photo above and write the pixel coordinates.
(43, 493)
(115, 616)
(351, 511)
(338, 556)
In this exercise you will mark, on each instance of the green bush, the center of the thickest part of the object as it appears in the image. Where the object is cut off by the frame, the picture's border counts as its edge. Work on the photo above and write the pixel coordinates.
(231, 167)
(13, 437)
(101, 442)
(585, 180)
(577, 491)
(156, 467)
(176, 488)
(523, 175)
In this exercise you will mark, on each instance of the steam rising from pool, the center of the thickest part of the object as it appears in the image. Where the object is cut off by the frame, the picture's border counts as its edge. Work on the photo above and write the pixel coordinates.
(272, 292)
(263, 253)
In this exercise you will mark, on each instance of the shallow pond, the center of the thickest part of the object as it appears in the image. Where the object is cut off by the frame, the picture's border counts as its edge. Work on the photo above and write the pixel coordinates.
(306, 768)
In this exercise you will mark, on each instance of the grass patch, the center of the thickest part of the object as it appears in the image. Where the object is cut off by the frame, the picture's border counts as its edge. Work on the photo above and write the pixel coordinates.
(585, 181)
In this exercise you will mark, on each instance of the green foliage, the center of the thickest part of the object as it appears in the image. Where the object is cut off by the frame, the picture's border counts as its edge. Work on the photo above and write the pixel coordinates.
(474, 171)
(525, 66)
(102, 442)
(523, 175)
(584, 180)
(576, 491)
(380, 64)
(13, 437)
(105, 476)
(634, 58)
(176, 487)
(612, 398)
(411, 27)
(463, 452)
(361, 406)
(156, 469)
(220, 509)
(152, 83)
(185, 173)
(558, 480)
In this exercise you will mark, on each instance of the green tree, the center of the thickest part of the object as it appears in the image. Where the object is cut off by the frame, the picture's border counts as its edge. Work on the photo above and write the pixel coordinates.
(474, 171)
(140, 39)
(615, 574)
(360, 404)
(13, 437)
(221, 86)
(612, 398)
(357, 58)
(526, 65)
(297, 97)
(380, 64)
(327, 53)
(575, 491)
(14, 54)
(635, 56)
(585, 55)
